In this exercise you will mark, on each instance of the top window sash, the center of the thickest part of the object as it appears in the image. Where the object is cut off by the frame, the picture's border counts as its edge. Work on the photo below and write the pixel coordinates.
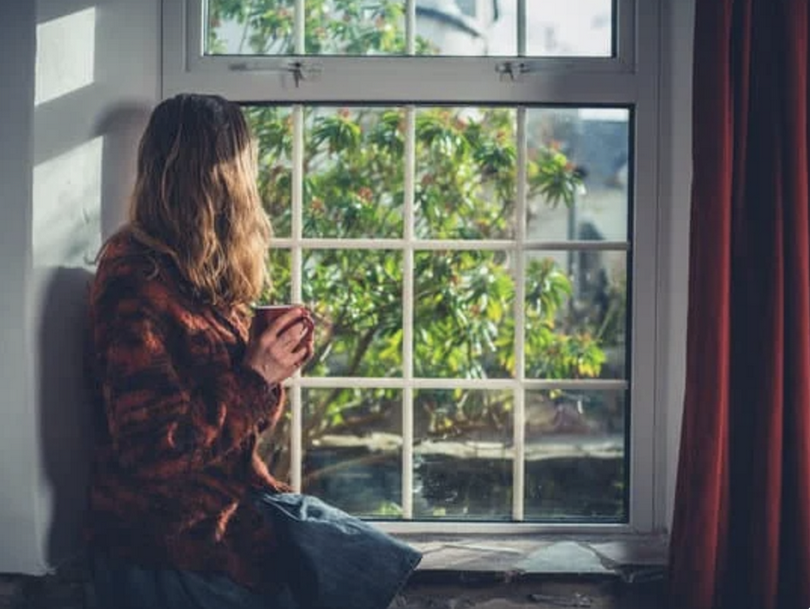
(435, 78)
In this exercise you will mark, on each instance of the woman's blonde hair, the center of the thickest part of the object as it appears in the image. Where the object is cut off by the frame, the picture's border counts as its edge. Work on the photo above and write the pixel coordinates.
(196, 197)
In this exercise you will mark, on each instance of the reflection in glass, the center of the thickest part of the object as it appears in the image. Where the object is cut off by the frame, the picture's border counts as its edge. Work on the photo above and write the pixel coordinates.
(575, 455)
(353, 182)
(463, 315)
(479, 28)
(353, 446)
(356, 296)
(465, 173)
(561, 28)
(576, 315)
(463, 454)
(476, 28)
(594, 143)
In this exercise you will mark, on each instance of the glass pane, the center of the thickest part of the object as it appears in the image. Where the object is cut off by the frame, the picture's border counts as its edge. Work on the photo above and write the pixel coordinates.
(280, 266)
(578, 174)
(272, 128)
(466, 27)
(576, 315)
(465, 173)
(554, 28)
(575, 455)
(463, 454)
(463, 315)
(356, 296)
(352, 442)
(344, 27)
(562, 28)
(274, 447)
(250, 27)
(353, 183)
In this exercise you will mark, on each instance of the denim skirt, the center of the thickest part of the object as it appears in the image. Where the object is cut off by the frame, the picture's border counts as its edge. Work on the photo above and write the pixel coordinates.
(330, 560)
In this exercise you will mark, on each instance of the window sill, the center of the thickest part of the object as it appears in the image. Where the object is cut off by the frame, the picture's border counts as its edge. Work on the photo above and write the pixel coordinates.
(449, 559)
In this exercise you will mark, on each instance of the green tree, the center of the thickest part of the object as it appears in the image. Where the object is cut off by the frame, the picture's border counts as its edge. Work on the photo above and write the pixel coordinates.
(354, 184)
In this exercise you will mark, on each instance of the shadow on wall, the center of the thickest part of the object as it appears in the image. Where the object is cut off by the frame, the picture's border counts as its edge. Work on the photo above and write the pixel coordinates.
(67, 423)
(121, 127)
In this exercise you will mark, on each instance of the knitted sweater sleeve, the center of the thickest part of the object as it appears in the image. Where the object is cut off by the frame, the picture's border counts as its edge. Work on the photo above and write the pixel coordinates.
(162, 426)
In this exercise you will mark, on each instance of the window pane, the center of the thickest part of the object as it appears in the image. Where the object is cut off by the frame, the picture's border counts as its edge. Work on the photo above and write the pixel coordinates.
(463, 454)
(250, 27)
(353, 445)
(578, 174)
(575, 458)
(576, 315)
(280, 267)
(272, 128)
(357, 299)
(554, 28)
(562, 28)
(353, 183)
(332, 27)
(466, 27)
(463, 315)
(465, 173)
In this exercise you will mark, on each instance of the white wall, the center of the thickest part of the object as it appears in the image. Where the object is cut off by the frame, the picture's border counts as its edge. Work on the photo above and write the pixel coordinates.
(84, 78)
(18, 453)
(673, 236)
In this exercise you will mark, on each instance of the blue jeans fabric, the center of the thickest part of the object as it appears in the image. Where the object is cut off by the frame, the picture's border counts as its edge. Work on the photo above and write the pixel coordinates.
(331, 560)
(123, 585)
(336, 561)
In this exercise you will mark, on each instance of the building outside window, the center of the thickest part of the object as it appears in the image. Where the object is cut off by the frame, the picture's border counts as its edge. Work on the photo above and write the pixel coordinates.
(463, 191)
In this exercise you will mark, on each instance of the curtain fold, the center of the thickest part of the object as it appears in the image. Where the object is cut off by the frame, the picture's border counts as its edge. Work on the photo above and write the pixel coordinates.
(741, 529)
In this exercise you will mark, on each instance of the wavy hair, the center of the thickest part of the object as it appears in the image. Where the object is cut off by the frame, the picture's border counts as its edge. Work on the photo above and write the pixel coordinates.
(196, 199)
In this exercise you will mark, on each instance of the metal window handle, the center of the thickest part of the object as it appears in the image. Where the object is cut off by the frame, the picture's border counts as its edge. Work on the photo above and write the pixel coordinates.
(299, 70)
(512, 70)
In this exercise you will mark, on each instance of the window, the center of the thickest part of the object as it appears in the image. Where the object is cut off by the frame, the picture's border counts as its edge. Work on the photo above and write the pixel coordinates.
(464, 193)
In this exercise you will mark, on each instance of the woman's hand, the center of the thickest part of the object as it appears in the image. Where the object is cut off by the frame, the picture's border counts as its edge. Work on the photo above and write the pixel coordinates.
(276, 355)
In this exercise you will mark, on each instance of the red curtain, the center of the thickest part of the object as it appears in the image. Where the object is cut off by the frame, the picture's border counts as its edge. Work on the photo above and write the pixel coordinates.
(741, 531)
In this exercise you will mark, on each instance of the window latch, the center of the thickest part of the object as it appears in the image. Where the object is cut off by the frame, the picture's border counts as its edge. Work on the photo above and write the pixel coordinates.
(299, 70)
(512, 70)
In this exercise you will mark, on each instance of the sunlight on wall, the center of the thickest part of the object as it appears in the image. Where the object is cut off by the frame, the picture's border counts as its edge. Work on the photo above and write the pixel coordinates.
(65, 55)
(67, 207)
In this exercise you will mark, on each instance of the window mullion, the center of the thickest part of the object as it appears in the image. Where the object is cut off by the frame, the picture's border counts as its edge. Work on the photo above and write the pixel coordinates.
(410, 27)
(299, 21)
(407, 310)
(521, 28)
(296, 449)
(519, 434)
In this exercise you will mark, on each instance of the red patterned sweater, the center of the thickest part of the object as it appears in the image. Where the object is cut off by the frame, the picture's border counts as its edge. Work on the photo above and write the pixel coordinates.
(181, 418)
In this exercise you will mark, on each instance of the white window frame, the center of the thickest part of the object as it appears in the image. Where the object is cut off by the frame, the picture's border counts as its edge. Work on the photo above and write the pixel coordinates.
(630, 78)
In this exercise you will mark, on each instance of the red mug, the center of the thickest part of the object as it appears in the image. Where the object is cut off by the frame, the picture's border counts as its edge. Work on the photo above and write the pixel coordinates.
(265, 315)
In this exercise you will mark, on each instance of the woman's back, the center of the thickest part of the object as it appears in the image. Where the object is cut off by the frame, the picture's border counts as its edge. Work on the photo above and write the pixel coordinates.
(178, 453)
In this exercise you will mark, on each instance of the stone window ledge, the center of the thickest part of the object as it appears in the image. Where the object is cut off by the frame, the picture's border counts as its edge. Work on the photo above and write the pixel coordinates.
(630, 559)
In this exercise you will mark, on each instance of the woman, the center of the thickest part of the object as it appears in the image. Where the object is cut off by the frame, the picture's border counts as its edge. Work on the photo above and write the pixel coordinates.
(183, 513)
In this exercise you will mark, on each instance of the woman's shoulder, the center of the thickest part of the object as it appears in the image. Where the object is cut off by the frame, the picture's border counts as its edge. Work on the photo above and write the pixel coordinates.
(123, 252)
(128, 267)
